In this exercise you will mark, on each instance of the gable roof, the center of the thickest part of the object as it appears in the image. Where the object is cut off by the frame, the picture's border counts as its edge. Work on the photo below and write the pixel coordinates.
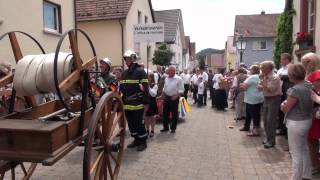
(259, 25)
(91, 10)
(171, 19)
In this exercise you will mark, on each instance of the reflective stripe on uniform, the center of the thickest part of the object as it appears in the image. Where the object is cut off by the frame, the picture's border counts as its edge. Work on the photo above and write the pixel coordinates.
(133, 107)
(144, 81)
(142, 136)
(129, 81)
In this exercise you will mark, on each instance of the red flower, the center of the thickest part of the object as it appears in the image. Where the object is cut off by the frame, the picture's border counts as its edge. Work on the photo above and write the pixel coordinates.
(304, 37)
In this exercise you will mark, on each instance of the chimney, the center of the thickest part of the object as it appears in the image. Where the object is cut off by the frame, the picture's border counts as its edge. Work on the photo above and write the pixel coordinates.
(263, 12)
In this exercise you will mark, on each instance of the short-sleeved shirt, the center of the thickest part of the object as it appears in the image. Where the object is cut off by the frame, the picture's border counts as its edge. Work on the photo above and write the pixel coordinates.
(173, 86)
(201, 88)
(302, 110)
(252, 95)
(216, 79)
(204, 76)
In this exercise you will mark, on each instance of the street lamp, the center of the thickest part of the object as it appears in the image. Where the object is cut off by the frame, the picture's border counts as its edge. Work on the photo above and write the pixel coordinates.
(241, 46)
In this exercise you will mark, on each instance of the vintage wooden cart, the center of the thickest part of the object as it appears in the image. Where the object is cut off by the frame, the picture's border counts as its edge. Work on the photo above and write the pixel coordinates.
(44, 133)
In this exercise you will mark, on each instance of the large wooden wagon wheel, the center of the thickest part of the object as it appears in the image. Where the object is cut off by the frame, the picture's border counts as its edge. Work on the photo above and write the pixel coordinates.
(102, 158)
(5, 166)
(27, 169)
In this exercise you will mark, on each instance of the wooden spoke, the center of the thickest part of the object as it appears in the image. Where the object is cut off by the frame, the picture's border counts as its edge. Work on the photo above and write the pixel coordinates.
(113, 158)
(106, 118)
(116, 133)
(96, 162)
(102, 174)
(98, 148)
(109, 168)
(97, 174)
(115, 124)
(100, 136)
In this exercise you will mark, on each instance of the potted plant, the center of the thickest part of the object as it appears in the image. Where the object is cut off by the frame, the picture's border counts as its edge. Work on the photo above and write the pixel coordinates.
(304, 39)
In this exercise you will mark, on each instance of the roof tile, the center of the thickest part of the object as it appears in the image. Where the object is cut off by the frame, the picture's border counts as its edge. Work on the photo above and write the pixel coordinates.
(170, 18)
(260, 25)
(87, 10)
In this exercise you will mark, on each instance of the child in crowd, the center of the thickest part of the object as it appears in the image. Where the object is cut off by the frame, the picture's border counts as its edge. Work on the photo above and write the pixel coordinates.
(200, 91)
(298, 109)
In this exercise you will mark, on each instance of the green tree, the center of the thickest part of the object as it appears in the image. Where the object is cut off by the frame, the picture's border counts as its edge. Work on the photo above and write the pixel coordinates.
(202, 62)
(283, 41)
(162, 56)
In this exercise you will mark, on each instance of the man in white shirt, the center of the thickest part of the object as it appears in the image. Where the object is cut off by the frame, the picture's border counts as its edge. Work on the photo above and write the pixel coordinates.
(205, 77)
(285, 85)
(186, 79)
(201, 89)
(194, 84)
(173, 88)
(215, 81)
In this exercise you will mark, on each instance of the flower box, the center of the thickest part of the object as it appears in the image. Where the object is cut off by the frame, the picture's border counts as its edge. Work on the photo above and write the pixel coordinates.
(304, 40)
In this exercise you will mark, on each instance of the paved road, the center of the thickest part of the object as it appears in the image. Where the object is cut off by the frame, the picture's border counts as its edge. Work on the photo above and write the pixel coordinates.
(207, 146)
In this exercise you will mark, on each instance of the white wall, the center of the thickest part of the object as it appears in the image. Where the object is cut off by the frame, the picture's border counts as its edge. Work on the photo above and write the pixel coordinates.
(27, 16)
(132, 19)
(106, 38)
(177, 49)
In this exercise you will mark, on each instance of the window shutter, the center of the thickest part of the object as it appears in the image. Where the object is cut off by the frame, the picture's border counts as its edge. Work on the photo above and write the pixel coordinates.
(304, 15)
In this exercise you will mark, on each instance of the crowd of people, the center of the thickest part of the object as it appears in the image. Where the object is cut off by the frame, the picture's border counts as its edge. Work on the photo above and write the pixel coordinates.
(141, 92)
(287, 100)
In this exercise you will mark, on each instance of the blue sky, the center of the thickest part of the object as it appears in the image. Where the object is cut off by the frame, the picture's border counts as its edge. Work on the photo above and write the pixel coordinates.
(209, 22)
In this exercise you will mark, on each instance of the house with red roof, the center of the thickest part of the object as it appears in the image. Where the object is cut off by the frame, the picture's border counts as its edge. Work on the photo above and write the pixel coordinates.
(110, 24)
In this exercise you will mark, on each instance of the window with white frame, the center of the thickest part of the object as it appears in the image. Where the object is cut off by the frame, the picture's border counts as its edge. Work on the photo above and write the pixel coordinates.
(311, 15)
(51, 17)
(260, 45)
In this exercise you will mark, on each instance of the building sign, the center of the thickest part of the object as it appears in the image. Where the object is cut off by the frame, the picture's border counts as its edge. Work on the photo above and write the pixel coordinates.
(149, 32)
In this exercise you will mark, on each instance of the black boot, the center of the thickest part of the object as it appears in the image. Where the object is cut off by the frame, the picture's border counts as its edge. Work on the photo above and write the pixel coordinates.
(142, 146)
(133, 144)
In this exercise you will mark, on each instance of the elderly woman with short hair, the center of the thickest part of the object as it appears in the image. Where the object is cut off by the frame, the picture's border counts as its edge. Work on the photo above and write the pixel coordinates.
(253, 99)
(298, 109)
(270, 85)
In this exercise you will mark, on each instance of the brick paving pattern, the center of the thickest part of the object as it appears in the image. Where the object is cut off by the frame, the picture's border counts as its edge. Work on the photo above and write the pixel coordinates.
(207, 146)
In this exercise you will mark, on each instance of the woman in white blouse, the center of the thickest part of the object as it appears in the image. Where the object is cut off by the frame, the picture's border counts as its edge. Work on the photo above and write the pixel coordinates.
(152, 108)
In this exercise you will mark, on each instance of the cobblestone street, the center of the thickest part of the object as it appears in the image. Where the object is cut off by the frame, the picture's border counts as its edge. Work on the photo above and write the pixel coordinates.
(207, 146)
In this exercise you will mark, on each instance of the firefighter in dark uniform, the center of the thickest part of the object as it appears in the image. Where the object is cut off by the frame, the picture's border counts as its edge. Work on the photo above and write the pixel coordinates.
(134, 87)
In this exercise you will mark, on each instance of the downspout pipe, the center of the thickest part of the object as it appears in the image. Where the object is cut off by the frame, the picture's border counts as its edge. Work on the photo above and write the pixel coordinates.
(75, 17)
(122, 42)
